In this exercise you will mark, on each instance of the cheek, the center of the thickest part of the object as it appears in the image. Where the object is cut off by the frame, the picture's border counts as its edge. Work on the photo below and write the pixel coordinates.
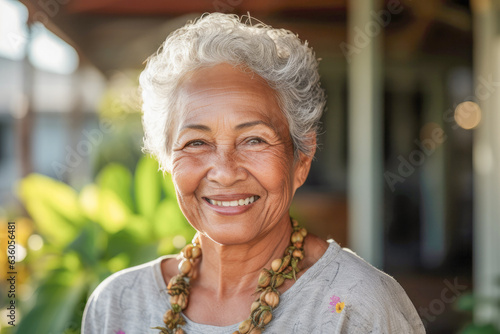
(187, 173)
(272, 168)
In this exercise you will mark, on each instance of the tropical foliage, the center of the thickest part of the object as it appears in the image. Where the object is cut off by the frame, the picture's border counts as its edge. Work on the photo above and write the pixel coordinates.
(116, 222)
(467, 303)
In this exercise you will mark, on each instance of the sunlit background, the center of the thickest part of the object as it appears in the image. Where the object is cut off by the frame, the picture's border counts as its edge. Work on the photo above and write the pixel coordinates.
(407, 171)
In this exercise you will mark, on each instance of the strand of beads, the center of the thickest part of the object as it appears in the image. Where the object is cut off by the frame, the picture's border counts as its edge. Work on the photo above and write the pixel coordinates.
(270, 279)
(178, 289)
(268, 283)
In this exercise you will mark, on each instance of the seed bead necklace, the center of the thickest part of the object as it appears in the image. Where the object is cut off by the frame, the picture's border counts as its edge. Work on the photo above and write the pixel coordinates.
(269, 280)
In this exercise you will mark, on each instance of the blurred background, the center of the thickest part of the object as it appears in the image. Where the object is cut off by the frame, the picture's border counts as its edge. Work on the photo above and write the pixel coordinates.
(407, 172)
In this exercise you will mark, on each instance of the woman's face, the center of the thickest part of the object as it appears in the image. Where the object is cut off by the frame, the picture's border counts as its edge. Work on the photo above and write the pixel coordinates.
(232, 156)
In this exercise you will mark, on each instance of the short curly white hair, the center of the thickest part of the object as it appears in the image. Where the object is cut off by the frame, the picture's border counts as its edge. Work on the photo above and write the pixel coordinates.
(277, 55)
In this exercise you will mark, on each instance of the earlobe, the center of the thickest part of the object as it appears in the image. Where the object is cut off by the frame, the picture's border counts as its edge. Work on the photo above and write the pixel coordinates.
(304, 164)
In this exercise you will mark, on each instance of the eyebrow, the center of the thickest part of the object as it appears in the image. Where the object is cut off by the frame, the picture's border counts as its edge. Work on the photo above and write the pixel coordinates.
(196, 127)
(254, 123)
(238, 127)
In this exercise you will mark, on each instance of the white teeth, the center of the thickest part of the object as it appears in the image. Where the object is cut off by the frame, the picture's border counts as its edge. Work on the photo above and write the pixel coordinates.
(239, 202)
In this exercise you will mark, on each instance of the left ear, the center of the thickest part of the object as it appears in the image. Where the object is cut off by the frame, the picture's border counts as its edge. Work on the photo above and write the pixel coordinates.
(303, 165)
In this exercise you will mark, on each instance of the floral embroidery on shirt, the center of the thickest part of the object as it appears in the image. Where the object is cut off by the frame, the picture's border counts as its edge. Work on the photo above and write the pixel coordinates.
(339, 307)
(336, 305)
(120, 332)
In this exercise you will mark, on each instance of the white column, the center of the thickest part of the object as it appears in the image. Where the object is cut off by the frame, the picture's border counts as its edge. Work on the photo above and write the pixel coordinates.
(486, 152)
(365, 171)
(433, 177)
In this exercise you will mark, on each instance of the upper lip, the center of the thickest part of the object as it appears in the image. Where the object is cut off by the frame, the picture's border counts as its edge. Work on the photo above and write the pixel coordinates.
(229, 197)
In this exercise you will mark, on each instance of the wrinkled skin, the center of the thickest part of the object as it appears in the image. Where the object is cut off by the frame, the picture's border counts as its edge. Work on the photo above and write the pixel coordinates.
(230, 141)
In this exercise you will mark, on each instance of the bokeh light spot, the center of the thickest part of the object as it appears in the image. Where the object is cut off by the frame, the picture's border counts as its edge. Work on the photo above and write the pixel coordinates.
(468, 115)
(179, 241)
(35, 242)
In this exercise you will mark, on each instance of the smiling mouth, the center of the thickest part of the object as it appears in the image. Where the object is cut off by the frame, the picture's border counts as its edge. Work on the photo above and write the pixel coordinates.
(240, 202)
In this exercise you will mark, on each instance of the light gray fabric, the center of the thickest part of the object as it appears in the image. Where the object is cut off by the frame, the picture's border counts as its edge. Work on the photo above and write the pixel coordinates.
(134, 300)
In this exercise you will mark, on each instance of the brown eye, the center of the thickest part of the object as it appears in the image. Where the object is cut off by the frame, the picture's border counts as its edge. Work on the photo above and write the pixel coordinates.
(255, 141)
(195, 143)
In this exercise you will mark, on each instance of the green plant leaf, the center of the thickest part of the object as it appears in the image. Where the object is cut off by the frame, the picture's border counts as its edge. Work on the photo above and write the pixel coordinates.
(148, 182)
(53, 206)
(168, 187)
(121, 242)
(56, 301)
(113, 214)
(140, 227)
(465, 302)
(118, 179)
(119, 262)
(96, 232)
(89, 244)
(169, 220)
(105, 207)
(89, 201)
(146, 252)
(479, 329)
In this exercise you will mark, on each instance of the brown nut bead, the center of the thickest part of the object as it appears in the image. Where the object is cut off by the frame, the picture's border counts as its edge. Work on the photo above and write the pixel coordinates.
(173, 281)
(298, 245)
(181, 300)
(264, 278)
(275, 265)
(256, 330)
(193, 274)
(298, 254)
(196, 252)
(262, 297)
(296, 237)
(186, 251)
(279, 280)
(303, 231)
(244, 327)
(185, 267)
(295, 223)
(255, 305)
(285, 263)
(179, 331)
(272, 299)
(265, 318)
(168, 316)
(254, 316)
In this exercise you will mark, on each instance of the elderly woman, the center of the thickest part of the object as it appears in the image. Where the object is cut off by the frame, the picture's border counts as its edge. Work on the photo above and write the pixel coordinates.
(231, 111)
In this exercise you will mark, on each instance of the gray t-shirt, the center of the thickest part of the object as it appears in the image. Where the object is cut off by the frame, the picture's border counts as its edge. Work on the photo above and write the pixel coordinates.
(134, 300)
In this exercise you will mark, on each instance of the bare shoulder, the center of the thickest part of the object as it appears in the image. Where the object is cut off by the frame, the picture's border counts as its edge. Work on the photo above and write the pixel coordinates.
(314, 249)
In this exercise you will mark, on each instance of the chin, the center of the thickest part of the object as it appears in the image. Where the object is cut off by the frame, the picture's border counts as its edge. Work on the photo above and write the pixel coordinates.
(229, 237)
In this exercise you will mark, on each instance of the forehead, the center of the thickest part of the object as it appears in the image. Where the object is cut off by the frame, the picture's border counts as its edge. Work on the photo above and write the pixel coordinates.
(228, 90)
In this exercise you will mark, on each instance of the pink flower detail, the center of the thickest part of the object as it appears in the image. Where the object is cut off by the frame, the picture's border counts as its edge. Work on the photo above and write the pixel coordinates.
(120, 332)
(334, 301)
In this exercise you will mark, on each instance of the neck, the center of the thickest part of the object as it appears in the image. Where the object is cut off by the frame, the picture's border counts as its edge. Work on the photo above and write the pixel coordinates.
(230, 270)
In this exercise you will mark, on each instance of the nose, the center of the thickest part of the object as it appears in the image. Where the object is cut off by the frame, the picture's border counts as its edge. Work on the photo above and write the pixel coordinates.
(226, 169)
